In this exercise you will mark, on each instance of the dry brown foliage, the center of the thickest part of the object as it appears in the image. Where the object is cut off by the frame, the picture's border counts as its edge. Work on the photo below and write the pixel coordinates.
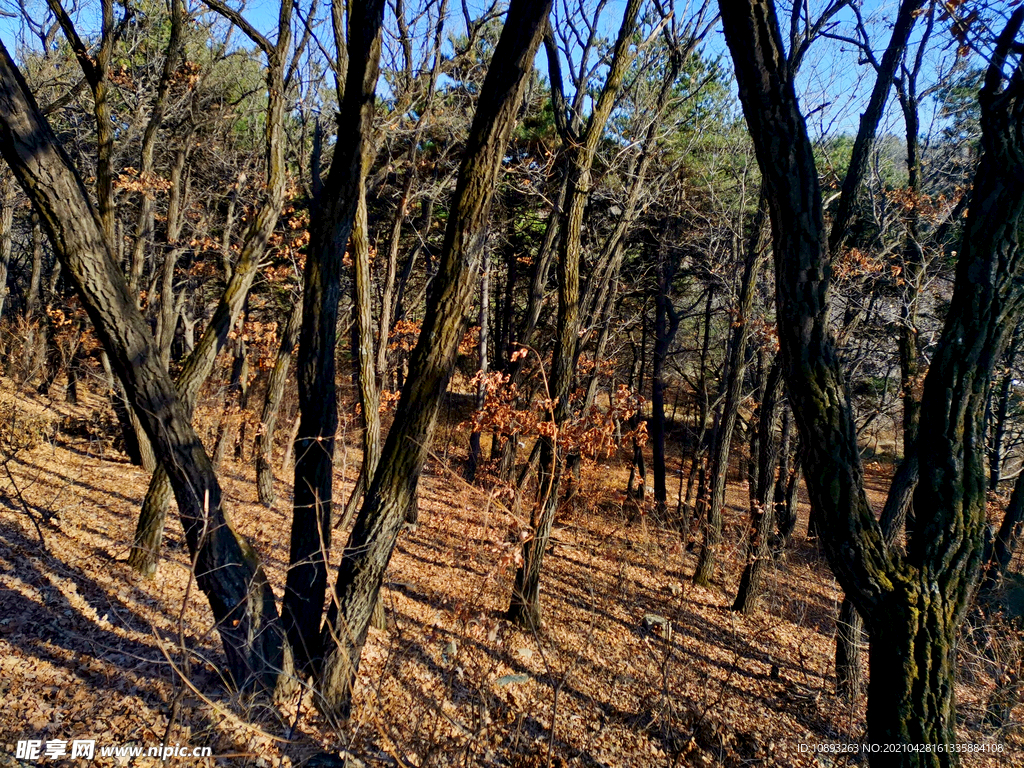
(89, 650)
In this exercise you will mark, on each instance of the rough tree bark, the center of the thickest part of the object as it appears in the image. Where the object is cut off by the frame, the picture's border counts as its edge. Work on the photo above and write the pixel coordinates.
(393, 488)
(524, 607)
(330, 229)
(912, 604)
(145, 553)
(227, 569)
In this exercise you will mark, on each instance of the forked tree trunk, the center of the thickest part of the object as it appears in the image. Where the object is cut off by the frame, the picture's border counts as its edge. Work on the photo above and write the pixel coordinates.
(524, 607)
(912, 604)
(393, 487)
(330, 228)
(226, 568)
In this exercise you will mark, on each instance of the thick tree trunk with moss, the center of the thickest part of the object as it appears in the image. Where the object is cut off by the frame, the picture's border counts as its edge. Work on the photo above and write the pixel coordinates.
(913, 666)
(226, 568)
(912, 604)
(393, 487)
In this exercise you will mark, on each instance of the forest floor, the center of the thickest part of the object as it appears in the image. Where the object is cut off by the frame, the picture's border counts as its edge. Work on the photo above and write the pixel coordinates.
(89, 650)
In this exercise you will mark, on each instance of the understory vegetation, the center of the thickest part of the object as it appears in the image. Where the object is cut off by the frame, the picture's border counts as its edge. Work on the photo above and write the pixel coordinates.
(550, 383)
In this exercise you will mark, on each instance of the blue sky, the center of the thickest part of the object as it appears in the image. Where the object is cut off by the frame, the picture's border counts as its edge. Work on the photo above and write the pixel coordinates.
(833, 84)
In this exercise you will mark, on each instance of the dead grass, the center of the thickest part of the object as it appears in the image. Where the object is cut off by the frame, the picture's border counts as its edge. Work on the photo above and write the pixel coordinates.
(89, 650)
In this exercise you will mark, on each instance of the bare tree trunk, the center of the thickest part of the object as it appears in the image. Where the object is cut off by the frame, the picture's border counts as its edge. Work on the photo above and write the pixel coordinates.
(393, 487)
(475, 451)
(144, 223)
(276, 384)
(785, 512)
(524, 607)
(755, 252)
(31, 351)
(1005, 544)
(6, 224)
(996, 447)
(226, 567)
(666, 323)
(330, 228)
(762, 511)
(699, 447)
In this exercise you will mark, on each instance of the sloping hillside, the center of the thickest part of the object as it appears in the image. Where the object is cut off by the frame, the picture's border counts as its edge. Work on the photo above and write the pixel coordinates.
(88, 650)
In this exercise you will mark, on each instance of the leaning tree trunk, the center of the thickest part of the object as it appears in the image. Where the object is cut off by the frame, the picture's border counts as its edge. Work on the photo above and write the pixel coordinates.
(393, 487)
(226, 568)
(145, 553)
(535, 303)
